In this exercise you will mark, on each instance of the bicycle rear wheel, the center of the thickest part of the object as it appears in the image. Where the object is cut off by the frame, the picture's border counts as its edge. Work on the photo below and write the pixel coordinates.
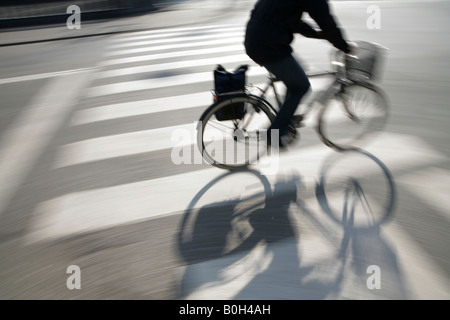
(358, 112)
(240, 139)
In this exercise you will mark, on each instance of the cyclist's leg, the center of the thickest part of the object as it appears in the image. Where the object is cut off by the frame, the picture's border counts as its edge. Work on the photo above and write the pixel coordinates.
(293, 76)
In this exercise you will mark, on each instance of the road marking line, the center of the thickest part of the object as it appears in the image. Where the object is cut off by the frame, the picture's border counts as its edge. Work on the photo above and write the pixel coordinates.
(103, 148)
(230, 276)
(43, 75)
(161, 82)
(414, 262)
(174, 35)
(227, 275)
(25, 141)
(173, 54)
(432, 186)
(176, 40)
(96, 209)
(129, 109)
(208, 43)
(170, 30)
(134, 108)
(240, 58)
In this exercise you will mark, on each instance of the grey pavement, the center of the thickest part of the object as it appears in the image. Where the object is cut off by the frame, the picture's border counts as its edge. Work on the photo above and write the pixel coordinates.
(178, 13)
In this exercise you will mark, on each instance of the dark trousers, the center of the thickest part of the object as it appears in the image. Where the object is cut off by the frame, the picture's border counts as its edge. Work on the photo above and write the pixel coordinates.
(297, 83)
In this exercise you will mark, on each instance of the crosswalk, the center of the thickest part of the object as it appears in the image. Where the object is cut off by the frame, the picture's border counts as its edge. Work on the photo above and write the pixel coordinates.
(160, 74)
(152, 84)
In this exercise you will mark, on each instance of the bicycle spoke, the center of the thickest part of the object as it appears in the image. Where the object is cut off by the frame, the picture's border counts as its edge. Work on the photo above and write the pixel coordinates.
(353, 117)
(234, 143)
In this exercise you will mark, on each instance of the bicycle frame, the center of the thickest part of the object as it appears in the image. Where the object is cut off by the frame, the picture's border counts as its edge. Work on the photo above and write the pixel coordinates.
(343, 79)
(320, 98)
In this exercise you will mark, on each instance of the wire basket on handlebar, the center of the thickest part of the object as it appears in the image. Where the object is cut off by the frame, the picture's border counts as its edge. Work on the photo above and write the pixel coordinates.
(362, 65)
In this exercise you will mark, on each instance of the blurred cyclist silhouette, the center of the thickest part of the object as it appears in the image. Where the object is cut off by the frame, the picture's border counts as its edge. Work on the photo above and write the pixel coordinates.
(270, 31)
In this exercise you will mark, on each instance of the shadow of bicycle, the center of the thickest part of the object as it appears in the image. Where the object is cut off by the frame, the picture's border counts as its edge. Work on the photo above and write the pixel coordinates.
(267, 243)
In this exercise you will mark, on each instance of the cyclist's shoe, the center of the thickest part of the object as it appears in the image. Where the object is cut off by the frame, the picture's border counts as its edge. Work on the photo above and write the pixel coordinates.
(284, 140)
(288, 138)
(297, 121)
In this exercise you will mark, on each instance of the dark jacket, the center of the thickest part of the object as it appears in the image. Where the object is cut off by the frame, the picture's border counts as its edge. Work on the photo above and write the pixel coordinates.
(273, 23)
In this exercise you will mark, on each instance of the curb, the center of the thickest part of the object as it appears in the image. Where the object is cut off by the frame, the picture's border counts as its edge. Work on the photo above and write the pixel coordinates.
(61, 18)
(94, 18)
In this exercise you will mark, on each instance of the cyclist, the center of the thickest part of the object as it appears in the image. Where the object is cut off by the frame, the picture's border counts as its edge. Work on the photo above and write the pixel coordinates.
(268, 38)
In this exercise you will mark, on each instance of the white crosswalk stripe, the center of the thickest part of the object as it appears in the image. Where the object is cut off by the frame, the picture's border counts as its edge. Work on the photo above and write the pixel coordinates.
(210, 43)
(172, 40)
(240, 58)
(137, 85)
(143, 74)
(179, 30)
(159, 203)
(118, 145)
(122, 110)
(173, 54)
(170, 37)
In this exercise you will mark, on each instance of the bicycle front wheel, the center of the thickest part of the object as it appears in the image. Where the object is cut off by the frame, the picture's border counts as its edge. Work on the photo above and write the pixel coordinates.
(232, 133)
(358, 112)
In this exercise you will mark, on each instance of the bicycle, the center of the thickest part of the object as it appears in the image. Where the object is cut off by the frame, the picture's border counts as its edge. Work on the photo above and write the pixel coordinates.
(352, 103)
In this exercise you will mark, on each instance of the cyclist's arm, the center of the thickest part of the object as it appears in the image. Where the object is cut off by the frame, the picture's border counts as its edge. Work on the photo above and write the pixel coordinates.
(306, 30)
(319, 11)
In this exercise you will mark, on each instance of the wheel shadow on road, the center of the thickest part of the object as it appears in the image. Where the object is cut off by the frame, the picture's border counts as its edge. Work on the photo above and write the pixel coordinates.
(229, 242)
(279, 239)
(361, 203)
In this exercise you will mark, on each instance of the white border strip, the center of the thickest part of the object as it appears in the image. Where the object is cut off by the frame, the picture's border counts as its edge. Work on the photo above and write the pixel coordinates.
(173, 54)
(149, 84)
(43, 75)
(95, 209)
(239, 58)
(24, 142)
(208, 43)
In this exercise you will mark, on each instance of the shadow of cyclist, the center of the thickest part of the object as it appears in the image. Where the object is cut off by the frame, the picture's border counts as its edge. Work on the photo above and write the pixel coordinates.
(255, 247)
(248, 247)
(361, 204)
(229, 243)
